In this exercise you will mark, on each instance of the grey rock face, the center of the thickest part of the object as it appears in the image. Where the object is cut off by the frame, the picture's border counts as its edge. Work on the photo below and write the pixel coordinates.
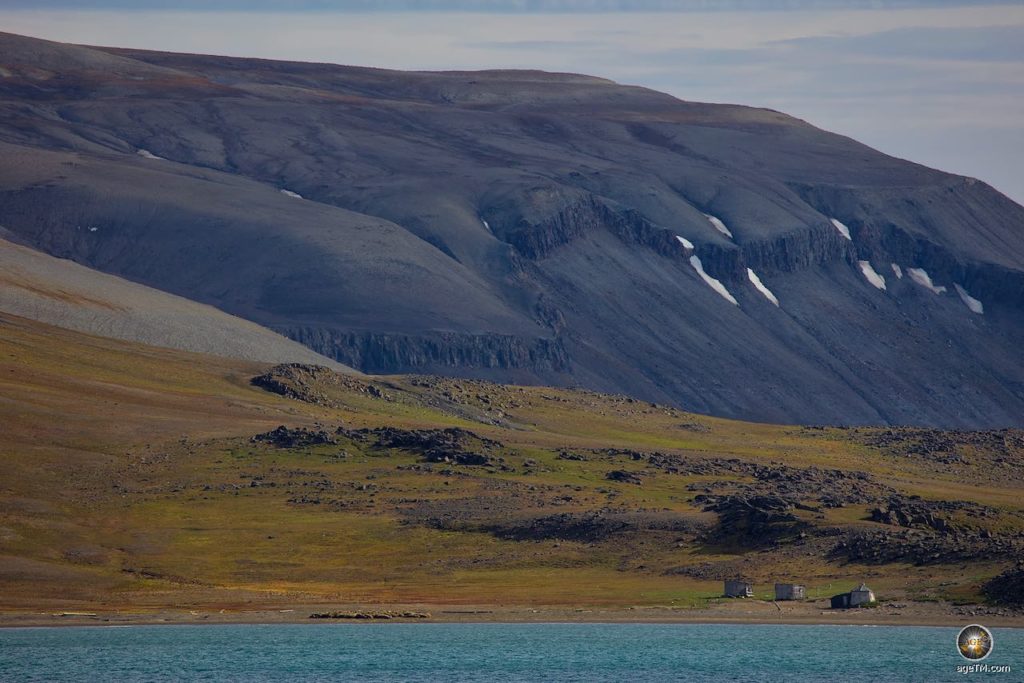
(522, 226)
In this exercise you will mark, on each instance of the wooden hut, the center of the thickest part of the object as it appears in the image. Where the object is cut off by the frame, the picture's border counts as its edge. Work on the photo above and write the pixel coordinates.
(790, 591)
(738, 588)
(841, 601)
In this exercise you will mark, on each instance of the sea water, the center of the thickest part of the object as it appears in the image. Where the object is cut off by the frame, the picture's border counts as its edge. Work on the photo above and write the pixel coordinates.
(498, 652)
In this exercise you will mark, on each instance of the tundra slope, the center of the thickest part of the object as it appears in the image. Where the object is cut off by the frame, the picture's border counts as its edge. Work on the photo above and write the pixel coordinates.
(59, 292)
(523, 226)
(139, 479)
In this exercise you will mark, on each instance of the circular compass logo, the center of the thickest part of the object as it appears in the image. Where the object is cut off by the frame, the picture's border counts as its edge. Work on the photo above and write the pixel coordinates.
(974, 642)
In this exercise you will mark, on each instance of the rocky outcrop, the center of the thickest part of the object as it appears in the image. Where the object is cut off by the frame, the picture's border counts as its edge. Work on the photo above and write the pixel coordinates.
(535, 240)
(384, 353)
(915, 229)
(798, 249)
(915, 512)
(979, 456)
(829, 487)
(452, 445)
(1007, 588)
(944, 446)
(795, 250)
(300, 437)
(923, 547)
(571, 455)
(753, 521)
(630, 226)
(625, 477)
(584, 213)
(316, 384)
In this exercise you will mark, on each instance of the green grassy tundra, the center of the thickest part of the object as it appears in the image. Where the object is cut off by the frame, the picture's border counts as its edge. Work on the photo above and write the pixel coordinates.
(131, 479)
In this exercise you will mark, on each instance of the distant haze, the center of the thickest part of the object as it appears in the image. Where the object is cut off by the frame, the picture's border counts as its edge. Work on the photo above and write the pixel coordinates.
(500, 6)
(937, 82)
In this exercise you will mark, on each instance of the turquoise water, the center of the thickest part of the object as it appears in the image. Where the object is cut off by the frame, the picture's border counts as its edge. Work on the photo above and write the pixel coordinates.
(496, 652)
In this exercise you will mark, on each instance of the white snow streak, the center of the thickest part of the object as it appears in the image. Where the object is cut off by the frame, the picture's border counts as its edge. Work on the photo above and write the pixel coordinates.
(899, 271)
(871, 275)
(486, 224)
(712, 282)
(843, 230)
(922, 278)
(289, 193)
(685, 242)
(972, 303)
(756, 281)
(719, 225)
(93, 228)
(146, 154)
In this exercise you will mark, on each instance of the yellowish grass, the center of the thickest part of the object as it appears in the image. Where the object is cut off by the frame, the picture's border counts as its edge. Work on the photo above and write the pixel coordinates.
(128, 472)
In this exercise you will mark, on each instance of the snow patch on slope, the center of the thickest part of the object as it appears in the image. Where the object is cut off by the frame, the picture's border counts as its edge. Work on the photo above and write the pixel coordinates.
(146, 154)
(756, 281)
(871, 275)
(712, 282)
(898, 271)
(289, 193)
(843, 230)
(922, 278)
(972, 303)
(685, 242)
(719, 225)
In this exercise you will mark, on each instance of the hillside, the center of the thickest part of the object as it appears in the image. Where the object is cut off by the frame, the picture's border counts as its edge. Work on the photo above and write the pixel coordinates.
(64, 293)
(527, 227)
(138, 478)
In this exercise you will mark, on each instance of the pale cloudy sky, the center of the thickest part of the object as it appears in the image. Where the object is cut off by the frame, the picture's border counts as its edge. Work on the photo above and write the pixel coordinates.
(940, 82)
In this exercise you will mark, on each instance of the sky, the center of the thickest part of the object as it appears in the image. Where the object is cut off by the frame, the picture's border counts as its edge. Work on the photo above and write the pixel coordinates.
(939, 82)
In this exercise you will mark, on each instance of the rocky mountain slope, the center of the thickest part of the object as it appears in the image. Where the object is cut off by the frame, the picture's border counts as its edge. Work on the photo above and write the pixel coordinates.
(60, 292)
(527, 227)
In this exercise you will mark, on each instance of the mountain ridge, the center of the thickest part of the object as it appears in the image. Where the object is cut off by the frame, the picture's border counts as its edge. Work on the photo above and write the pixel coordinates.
(482, 226)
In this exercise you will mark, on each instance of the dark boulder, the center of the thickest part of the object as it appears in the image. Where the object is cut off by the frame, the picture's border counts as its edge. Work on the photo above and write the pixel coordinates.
(625, 477)
(283, 437)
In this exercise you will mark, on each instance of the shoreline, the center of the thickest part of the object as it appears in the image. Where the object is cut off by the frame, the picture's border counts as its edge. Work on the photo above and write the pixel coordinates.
(746, 613)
